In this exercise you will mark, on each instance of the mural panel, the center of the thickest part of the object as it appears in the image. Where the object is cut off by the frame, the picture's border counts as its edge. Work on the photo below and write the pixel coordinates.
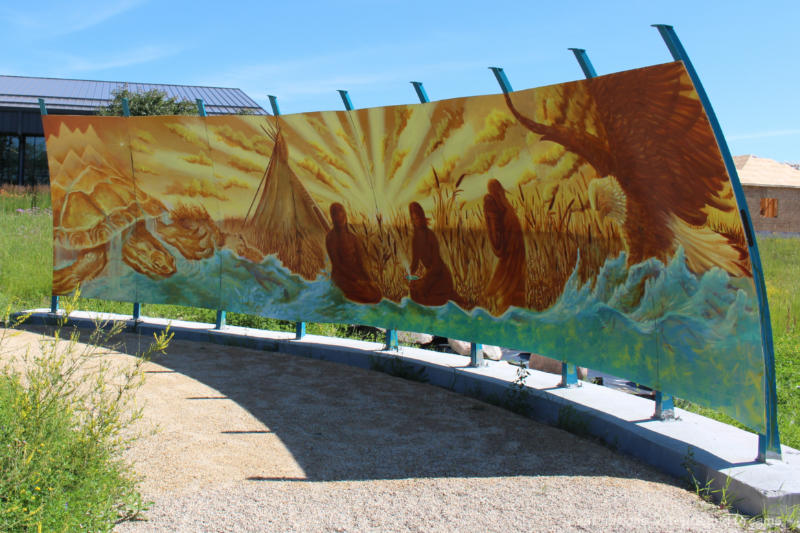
(172, 162)
(96, 210)
(592, 221)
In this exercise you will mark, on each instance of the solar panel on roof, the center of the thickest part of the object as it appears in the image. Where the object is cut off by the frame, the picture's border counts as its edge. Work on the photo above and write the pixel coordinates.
(87, 95)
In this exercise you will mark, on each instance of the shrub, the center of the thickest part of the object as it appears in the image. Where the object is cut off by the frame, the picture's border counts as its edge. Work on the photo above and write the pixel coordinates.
(66, 411)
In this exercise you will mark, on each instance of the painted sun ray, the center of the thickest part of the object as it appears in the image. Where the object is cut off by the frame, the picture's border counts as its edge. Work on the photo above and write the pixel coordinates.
(315, 141)
(410, 144)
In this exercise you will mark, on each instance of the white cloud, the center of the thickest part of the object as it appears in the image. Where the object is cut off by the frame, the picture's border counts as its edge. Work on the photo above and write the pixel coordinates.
(348, 68)
(54, 19)
(393, 75)
(313, 76)
(70, 65)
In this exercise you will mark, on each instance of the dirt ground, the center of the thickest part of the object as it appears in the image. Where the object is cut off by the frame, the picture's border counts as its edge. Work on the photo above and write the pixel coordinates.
(244, 440)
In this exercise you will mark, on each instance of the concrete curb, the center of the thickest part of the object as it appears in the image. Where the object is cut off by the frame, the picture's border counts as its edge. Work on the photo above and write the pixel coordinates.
(718, 454)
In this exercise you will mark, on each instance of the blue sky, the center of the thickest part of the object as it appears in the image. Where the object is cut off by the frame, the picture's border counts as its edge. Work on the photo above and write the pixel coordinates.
(745, 52)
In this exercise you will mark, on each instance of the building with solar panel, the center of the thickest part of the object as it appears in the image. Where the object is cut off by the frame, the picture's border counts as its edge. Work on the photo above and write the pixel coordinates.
(23, 160)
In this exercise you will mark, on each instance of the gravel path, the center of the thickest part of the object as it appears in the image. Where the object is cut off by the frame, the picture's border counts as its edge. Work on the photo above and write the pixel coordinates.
(258, 441)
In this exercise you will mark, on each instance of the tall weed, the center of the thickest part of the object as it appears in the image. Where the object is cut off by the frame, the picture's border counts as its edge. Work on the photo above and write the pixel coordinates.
(66, 411)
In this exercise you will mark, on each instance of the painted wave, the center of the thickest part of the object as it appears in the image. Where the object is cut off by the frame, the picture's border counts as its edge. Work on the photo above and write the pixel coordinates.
(661, 325)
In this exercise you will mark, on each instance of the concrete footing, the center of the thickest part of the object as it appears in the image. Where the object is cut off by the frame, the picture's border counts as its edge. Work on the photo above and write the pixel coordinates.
(716, 453)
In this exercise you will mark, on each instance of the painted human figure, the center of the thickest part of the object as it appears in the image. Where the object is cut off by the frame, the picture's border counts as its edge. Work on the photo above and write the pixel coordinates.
(347, 260)
(435, 286)
(507, 286)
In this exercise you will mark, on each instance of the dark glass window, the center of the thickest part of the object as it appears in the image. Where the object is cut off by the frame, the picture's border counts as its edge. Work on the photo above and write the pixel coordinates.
(9, 159)
(35, 162)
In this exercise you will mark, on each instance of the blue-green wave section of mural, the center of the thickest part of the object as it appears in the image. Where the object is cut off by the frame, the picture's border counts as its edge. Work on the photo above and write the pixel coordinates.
(694, 336)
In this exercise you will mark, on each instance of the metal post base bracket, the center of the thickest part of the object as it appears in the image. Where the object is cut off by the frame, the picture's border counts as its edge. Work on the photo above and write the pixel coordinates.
(765, 452)
(665, 407)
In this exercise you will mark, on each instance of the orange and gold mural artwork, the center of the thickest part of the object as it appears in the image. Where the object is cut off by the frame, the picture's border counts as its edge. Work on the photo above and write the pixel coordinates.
(591, 221)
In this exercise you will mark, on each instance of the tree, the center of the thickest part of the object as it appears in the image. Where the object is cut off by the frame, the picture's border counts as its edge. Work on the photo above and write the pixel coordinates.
(152, 102)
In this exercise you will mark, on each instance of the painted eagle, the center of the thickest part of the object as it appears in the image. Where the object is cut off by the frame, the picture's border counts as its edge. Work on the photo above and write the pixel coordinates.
(652, 142)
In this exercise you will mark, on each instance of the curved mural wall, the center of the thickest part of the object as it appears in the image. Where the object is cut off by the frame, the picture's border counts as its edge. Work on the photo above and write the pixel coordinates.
(592, 221)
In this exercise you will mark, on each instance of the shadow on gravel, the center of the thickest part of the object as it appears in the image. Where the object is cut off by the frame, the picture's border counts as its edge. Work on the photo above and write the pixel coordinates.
(346, 423)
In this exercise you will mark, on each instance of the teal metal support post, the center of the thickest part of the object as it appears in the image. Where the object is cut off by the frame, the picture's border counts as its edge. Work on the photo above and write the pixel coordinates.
(583, 61)
(391, 334)
(569, 374)
(475, 349)
(476, 355)
(502, 79)
(391, 342)
(348, 105)
(137, 307)
(299, 327)
(420, 90)
(273, 102)
(53, 297)
(665, 406)
(299, 330)
(769, 443)
(219, 322)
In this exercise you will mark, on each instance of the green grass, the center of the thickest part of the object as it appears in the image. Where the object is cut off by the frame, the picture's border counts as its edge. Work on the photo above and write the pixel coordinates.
(25, 281)
(781, 261)
(26, 259)
(787, 372)
(32, 198)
